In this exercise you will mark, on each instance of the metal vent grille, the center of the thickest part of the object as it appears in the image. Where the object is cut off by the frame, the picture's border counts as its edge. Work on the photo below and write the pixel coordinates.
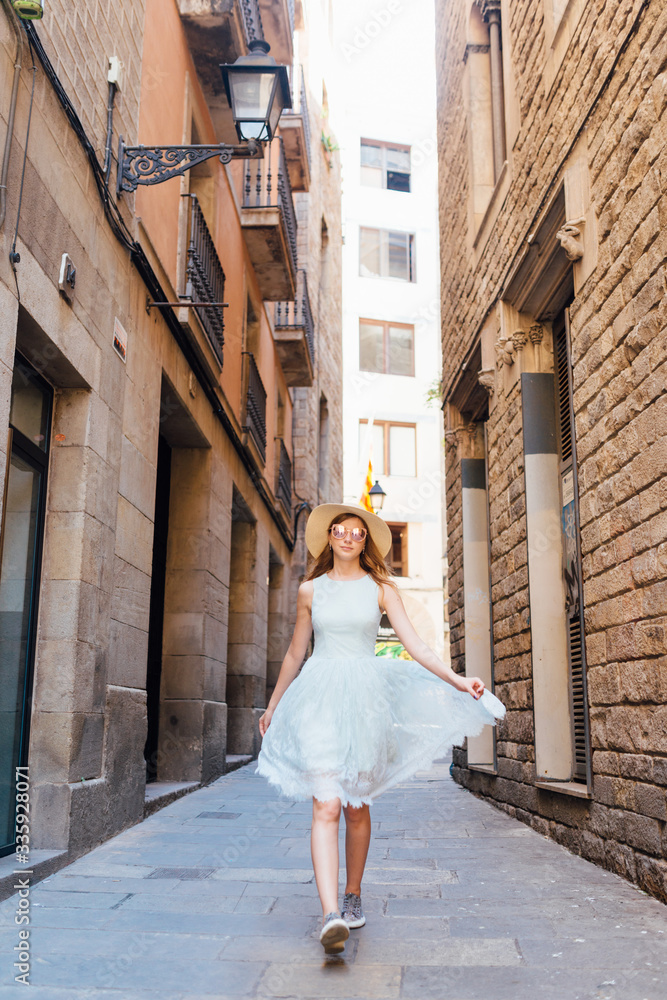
(190, 874)
(563, 396)
(578, 706)
(217, 815)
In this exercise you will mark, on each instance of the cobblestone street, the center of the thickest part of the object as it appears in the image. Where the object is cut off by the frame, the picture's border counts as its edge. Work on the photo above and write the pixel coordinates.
(214, 896)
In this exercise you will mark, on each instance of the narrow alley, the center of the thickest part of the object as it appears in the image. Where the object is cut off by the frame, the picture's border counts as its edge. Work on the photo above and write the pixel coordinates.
(214, 896)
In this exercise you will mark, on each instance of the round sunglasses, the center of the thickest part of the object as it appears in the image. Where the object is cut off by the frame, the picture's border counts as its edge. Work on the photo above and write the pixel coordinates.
(339, 533)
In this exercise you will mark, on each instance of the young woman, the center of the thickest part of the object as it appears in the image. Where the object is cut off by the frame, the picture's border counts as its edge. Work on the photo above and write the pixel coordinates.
(351, 724)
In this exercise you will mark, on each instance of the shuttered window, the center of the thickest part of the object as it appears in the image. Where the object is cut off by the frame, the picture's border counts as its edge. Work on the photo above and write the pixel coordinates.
(571, 554)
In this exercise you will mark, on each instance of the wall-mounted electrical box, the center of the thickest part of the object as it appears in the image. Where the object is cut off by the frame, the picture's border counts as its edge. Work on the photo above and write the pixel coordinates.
(67, 277)
(115, 71)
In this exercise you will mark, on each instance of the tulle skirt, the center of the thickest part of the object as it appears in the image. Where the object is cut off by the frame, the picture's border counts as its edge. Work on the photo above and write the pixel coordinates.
(351, 728)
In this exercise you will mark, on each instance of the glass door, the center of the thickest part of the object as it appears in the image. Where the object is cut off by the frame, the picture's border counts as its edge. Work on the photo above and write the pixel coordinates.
(20, 561)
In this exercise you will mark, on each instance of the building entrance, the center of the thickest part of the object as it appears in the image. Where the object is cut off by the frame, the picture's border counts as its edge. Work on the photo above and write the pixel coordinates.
(156, 614)
(20, 564)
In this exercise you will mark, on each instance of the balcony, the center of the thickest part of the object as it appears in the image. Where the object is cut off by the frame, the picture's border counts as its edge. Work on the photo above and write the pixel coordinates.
(269, 222)
(219, 31)
(204, 279)
(278, 22)
(294, 335)
(254, 410)
(284, 478)
(295, 132)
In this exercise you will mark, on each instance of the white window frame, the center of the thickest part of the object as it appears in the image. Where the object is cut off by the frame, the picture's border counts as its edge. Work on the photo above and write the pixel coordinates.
(384, 147)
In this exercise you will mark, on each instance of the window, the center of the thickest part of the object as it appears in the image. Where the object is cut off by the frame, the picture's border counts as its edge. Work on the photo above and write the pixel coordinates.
(385, 166)
(572, 571)
(394, 448)
(387, 348)
(386, 254)
(398, 553)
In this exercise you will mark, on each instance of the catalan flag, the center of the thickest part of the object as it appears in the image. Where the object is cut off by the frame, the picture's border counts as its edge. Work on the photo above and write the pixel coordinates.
(365, 500)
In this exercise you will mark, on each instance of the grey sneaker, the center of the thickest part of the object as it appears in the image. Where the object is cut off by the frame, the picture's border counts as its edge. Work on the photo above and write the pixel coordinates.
(334, 933)
(352, 913)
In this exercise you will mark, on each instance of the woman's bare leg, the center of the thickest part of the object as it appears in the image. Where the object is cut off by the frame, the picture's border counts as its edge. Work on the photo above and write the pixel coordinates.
(324, 851)
(357, 841)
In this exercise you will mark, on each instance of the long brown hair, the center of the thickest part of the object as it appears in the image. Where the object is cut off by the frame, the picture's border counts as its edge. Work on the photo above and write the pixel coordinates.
(370, 559)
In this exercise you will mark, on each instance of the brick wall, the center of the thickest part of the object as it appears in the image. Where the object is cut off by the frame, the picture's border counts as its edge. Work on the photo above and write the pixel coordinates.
(611, 89)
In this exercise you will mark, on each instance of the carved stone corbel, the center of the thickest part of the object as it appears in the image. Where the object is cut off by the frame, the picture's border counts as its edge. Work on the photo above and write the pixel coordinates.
(572, 239)
(464, 434)
(519, 339)
(504, 351)
(536, 334)
(487, 379)
(488, 7)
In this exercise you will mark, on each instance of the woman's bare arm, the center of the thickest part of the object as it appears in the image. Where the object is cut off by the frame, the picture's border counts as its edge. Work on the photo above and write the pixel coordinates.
(294, 656)
(393, 605)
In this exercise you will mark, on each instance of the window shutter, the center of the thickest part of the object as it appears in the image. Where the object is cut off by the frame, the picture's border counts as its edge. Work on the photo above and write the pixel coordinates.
(563, 396)
(575, 637)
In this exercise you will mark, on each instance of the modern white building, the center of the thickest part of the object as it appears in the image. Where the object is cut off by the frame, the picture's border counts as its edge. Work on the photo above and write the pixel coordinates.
(391, 300)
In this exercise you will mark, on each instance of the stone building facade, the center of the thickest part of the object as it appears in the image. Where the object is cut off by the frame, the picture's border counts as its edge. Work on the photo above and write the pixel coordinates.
(159, 463)
(553, 205)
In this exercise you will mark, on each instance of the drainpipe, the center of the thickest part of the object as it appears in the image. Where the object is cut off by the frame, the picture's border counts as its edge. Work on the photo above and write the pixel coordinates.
(497, 95)
(12, 108)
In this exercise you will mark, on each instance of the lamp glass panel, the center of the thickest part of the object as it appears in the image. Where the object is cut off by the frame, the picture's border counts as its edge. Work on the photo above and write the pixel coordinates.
(276, 109)
(376, 499)
(251, 94)
(401, 451)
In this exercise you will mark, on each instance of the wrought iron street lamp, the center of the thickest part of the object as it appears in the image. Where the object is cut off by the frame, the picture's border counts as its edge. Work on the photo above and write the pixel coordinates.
(376, 495)
(257, 90)
(252, 84)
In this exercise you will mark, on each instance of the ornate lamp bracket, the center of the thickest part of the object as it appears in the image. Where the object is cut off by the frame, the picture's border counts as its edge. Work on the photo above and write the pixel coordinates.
(154, 164)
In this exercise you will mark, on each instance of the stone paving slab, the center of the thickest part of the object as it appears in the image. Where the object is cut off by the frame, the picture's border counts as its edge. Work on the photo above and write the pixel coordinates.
(462, 903)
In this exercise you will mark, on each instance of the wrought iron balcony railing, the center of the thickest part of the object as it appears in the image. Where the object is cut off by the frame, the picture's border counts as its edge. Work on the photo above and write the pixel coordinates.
(284, 487)
(252, 20)
(303, 111)
(267, 185)
(298, 314)
(205, 279)
(255, 405)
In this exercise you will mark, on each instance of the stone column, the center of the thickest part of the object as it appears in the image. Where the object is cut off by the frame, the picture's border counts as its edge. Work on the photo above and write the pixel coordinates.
(193, 714)
(247, 645)
(478, 623)
(551, 689)
(67, 736)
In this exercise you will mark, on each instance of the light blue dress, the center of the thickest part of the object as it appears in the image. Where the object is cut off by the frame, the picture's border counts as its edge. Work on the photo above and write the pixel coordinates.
(352, 724)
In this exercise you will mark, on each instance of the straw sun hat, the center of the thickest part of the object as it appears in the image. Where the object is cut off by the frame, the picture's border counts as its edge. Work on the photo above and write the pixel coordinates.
(317, 528)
